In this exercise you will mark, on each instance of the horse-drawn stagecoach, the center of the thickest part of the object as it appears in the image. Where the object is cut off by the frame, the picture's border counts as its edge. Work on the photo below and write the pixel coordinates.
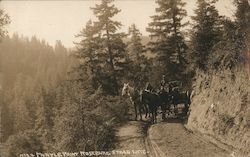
(167, 98)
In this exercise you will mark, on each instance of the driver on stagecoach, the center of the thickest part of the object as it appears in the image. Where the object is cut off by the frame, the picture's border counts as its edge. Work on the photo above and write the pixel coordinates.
(163, 83)
(149, 87)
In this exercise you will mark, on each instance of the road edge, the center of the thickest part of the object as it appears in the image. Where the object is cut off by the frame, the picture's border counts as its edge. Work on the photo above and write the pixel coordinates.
(218, 143)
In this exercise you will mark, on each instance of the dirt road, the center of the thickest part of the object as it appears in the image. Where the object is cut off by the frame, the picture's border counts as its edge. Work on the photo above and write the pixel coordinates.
(164, 139)
(131, 139)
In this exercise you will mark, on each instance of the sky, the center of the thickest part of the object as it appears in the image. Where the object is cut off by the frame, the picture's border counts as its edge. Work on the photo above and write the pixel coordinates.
(53, 20)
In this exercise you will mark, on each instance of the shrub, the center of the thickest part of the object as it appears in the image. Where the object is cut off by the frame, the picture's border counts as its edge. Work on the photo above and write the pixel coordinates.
(23, 143)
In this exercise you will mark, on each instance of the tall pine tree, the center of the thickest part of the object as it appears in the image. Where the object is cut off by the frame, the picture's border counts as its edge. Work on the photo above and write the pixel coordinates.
(137, 56)
(112, 53)
(105, 46)
(136, 49)
(206, 32)
(167, 38)
(89, 67)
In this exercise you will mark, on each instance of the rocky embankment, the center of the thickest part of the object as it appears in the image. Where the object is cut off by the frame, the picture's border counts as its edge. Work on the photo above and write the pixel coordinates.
(221, 108)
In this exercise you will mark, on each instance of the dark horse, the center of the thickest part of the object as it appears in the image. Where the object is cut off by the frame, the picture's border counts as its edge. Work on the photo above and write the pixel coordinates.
(134, 96)
(154, 100)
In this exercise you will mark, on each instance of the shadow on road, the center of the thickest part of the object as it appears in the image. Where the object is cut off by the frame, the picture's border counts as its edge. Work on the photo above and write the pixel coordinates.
(180, 118)
(175, 120)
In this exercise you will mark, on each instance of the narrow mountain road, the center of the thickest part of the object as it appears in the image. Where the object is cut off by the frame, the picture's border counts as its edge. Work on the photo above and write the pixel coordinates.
(132, 140)
(164, 139)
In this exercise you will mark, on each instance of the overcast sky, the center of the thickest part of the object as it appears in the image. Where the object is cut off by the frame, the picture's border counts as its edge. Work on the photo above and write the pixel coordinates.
(61, 20)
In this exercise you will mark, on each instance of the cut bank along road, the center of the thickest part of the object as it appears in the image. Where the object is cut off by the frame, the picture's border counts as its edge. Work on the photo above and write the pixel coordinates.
(164, 139)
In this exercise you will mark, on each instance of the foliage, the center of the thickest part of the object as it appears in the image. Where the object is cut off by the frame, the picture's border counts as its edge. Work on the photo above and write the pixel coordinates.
(104, 47)
(44, 118)
(86, 53)
(137, 55)
(86, 121)
(31, 68)
(168, 41)
(45, 100)
(226, 54)
(4, 20)
(23, 143)
(136, 49)
(242, 21)
(206, 32)
(232, 50)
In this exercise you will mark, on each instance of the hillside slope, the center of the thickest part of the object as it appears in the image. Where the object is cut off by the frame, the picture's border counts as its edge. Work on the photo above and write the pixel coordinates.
(221, 108)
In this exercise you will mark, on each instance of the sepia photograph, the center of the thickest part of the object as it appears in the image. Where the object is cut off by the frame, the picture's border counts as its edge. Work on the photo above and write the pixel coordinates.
(125, 78)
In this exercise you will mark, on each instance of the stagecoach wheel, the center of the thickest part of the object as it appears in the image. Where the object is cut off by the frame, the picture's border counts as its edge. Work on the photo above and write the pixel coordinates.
(185, 110)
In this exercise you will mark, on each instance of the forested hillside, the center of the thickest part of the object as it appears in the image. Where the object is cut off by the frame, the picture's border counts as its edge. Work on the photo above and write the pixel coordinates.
(40, 90)
(30, 70)
(34, 61)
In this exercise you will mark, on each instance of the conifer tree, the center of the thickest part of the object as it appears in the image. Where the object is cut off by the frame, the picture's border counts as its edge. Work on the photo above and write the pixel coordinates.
(137, 55)
(243, 23)
(111, 59)
(231, 51)
(4, 20)
(113, 47)
(167, 38)
(206, 31)
(89, 63)
(136, 49)
(44, 118)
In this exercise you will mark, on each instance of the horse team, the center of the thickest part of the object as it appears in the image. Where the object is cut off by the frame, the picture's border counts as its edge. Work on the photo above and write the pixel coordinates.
(149, 101)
